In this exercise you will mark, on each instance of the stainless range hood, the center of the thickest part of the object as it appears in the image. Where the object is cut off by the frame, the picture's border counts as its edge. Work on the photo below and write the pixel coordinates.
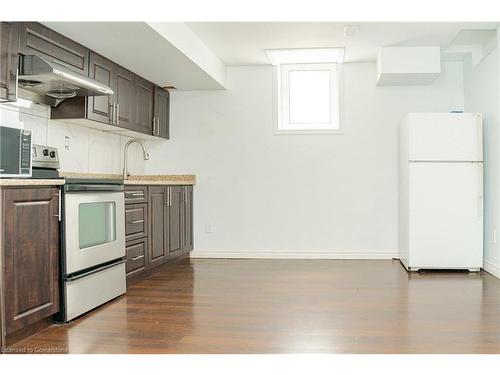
(48, 82)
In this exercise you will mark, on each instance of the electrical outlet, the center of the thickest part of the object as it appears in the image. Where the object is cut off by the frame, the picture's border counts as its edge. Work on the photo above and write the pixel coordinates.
(66, 143)
(209, 228)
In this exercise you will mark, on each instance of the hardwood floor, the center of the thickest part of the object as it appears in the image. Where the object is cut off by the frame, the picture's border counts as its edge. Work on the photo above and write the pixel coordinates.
(289, 306)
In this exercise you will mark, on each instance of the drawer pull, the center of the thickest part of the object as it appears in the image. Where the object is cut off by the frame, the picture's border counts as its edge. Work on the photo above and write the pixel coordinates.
(136, 221)
(136, 194)
(137, 257)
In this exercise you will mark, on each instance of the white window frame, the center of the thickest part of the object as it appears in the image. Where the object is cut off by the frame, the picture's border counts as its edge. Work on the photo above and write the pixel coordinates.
(282, 97)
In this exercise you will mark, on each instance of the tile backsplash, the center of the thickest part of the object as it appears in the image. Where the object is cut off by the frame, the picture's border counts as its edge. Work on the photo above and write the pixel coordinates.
(90, 150)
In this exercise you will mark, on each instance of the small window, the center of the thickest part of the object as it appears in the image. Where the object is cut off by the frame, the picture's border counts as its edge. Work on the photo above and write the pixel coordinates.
(308, 98)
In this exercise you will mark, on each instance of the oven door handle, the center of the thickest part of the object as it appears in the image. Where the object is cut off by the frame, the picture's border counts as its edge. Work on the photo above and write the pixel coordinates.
(85, 274)
(95, 187)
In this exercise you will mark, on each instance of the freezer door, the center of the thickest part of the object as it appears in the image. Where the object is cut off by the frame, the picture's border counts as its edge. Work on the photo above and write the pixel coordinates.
(445, 215)
(445, 136)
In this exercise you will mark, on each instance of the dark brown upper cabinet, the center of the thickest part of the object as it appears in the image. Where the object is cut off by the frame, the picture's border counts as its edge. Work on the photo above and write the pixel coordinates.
(137, 106)
(100, 108)
(30, 254)
(9, 38)
(36, 39)
(144, 105)
(124, 98)
(117, 109)
(161, 120)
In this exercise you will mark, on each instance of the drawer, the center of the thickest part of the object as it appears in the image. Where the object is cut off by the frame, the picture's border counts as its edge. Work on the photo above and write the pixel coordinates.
(136, 194)
(136, 256)
(81, 294)
(136, 221)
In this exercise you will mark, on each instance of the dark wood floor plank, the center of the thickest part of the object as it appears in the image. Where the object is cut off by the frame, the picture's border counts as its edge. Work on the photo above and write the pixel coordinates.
(289, 306)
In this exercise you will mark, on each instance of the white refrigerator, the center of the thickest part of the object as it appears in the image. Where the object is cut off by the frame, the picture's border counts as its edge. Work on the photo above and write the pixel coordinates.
(441, 191)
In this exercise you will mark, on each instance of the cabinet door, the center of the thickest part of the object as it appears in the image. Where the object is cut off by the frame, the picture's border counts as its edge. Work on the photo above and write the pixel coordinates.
(143, 105)
(99, 107)
(31, 256)
(162, 112)
(188, 219)
(124, 98)
(175, 220)
(36, 39)
(157, 224)
(9, 37)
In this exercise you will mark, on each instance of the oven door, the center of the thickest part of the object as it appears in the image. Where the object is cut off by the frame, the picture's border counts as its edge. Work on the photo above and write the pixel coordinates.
(94, 231)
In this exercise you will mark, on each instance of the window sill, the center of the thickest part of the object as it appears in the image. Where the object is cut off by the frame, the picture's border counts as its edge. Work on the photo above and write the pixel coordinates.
(309, 132)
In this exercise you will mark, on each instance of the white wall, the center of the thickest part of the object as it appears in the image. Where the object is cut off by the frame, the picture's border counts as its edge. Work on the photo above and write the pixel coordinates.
(90, 150)
(481, 94)
(312, 195)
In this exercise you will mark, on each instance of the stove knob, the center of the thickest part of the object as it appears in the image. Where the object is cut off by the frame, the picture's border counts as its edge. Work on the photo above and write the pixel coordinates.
(52, 154)
(46, 152)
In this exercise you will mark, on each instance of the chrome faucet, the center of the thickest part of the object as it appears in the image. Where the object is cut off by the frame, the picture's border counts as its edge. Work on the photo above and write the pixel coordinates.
(126, 173)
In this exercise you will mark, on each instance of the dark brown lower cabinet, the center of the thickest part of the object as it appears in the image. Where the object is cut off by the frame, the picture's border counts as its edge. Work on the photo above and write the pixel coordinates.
(157, 224)
(167, 217)
(187, 243)
(30, 257)
(175, 219)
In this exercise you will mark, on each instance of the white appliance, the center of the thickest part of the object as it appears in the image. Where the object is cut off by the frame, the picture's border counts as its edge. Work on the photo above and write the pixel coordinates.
(441, 191)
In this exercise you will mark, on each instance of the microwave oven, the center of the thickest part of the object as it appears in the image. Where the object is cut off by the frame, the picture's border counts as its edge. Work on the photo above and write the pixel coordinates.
(15, 152)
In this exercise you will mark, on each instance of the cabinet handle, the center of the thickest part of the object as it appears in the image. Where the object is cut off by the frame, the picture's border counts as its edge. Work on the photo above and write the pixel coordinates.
(117, 113)
(137, 257)
(154, 125)
(136, 194)
(14, 95)
(111, 113)
(159, 125)
(168, 199)
(59, 205)
(136, 221)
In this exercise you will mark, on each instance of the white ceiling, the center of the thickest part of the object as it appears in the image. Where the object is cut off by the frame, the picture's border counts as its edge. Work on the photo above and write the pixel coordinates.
(192, 56)
(146, 51)
(243, 43)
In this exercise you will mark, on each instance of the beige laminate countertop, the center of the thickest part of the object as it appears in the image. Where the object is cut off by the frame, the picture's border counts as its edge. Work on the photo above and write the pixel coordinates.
(172, 179)
(30, 182)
